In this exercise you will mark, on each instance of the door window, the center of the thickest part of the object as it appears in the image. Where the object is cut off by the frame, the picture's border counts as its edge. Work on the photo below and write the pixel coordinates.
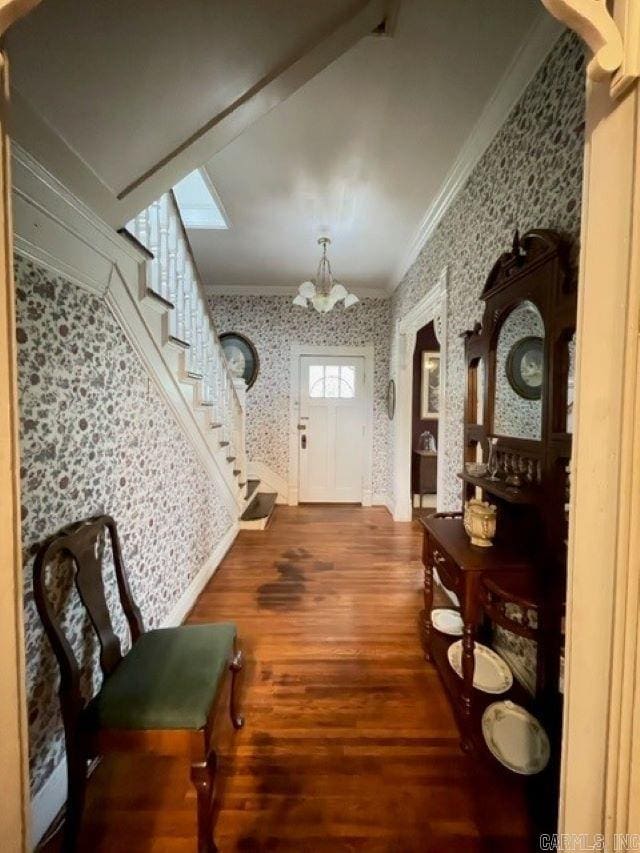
(332, 381)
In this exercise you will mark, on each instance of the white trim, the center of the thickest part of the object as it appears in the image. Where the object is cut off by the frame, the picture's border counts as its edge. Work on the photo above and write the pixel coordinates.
(284, 290)
(269, 480)
(533, 51)
(433, 305)
(51, 797)
(185, 603)
(299, 350)
(382, 499)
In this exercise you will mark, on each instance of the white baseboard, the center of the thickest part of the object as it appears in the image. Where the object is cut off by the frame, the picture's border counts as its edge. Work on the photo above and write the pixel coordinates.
(269, 480)
(51, 797)
(47, 802)
(181, 608)
(382, 499)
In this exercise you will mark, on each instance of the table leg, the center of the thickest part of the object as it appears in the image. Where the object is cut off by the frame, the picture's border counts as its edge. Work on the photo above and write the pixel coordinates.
(468, 662)
(428, 605)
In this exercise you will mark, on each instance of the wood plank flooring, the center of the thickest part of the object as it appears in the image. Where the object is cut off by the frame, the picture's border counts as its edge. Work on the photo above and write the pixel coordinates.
(349, 741)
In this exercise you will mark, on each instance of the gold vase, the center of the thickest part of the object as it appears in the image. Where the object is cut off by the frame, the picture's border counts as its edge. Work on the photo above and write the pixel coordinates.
(480, 522)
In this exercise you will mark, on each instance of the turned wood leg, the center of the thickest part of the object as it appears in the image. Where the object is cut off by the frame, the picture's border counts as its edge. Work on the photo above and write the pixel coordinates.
(236, 667)
(77, 786)
(203, 774)
(468, 665)
(428, 605)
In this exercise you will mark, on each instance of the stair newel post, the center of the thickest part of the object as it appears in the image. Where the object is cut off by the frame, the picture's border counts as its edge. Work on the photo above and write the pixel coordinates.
(240, 400)
(163, 247)
(141, 226)
(196, 332)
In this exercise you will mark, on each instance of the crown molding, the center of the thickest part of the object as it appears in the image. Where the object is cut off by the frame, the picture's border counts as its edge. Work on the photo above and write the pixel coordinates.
(283, 290)
(533, 51)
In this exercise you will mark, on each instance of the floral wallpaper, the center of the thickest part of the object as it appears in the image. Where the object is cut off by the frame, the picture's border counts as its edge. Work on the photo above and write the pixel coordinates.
(529, 177)
(515, 415)
(96, 437)
(273, 324)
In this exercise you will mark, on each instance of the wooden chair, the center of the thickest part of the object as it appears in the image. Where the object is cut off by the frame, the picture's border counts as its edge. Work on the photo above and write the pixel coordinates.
(160, 697)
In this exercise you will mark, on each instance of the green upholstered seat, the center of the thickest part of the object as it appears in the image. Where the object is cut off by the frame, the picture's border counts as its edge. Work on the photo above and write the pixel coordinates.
(169, 679)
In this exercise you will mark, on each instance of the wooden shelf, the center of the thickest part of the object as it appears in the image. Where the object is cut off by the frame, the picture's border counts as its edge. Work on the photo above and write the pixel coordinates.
(539, 791)
(526, 495)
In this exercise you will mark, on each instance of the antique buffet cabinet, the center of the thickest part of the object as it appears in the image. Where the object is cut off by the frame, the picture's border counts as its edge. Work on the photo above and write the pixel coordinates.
(518, 418)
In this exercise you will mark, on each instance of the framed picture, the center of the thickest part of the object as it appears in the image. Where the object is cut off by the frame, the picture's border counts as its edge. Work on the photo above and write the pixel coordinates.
(241, 355)
(430, 398)
(525, 367)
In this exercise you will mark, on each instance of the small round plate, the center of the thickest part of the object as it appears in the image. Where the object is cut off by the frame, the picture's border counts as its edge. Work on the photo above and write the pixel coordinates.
(515, 738)
(447, 621)
(491, 674)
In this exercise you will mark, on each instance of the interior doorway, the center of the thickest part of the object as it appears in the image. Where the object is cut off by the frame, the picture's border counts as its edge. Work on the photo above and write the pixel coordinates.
(424, 421)
(431, 311)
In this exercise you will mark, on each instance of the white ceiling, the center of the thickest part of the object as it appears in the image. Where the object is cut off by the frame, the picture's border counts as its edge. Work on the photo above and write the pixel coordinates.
(358, 152)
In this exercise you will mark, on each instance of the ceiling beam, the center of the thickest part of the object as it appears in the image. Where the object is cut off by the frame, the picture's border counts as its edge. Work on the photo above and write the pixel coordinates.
(256, 102)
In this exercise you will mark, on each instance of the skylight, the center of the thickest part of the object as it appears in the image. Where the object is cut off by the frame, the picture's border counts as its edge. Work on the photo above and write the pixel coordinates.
(198, 202)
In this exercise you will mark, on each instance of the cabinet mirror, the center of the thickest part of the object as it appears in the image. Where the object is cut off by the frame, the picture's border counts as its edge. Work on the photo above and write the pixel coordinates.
(519, 377)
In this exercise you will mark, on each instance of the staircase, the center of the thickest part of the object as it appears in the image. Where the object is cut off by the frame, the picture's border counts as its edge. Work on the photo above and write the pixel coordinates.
(171, 296)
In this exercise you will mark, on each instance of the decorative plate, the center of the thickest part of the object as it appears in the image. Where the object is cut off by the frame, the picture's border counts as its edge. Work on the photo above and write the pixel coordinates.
(491, 674)
(515, 738)
(242, 356)
(447, 621)
(391, 399)
(525, 367)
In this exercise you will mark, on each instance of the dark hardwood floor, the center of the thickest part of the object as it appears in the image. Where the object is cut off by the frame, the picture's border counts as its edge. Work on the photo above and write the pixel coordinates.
(349, 741)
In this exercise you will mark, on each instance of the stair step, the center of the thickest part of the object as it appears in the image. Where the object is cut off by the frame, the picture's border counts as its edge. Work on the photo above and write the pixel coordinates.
(260, 507)
(252, 485)
(178, 343)
(241, 485)
(214, 426)
(237, 472)
(231, 458)
(223, 443)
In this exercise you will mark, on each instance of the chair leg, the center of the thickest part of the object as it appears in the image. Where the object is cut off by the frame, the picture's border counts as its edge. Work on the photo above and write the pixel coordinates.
(236, 667)
(203, 776)
(76, 789)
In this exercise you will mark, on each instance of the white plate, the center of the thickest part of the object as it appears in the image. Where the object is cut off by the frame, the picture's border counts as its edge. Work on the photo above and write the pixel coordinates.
(515, 738)
(491, 674)
(447, 621)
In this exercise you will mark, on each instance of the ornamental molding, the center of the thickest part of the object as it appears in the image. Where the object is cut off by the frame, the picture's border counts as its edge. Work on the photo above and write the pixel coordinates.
(591, 20)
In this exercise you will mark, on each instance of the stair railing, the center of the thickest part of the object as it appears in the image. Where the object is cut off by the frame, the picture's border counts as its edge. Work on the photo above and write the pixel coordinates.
(173, 276)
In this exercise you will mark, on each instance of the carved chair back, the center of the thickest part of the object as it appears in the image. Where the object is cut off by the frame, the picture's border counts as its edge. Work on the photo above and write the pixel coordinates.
(83, 544)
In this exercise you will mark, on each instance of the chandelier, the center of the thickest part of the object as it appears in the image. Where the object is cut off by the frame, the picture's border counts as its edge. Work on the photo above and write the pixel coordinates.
(324, 294)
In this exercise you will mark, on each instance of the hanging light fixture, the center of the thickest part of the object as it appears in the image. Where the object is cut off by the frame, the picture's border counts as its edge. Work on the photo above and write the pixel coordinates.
(324, 293)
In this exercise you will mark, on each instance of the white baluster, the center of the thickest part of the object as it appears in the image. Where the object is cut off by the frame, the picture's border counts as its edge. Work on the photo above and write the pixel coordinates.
(163, 248)
(153, 269)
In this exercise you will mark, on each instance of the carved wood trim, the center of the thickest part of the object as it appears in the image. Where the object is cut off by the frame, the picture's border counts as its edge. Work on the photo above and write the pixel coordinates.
(591, 20)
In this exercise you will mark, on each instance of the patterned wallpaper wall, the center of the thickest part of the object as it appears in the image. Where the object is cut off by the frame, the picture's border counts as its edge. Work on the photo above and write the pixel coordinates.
(273, 324)
(530, 176)
(96, 437)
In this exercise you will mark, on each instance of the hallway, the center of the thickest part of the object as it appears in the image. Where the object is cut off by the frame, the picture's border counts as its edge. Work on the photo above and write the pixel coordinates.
(349, 742)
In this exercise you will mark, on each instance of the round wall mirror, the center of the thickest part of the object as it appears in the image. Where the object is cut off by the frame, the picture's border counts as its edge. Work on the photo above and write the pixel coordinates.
(520, 374)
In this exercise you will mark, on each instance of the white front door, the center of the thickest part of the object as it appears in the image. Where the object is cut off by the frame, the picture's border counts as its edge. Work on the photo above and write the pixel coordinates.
(331, 428)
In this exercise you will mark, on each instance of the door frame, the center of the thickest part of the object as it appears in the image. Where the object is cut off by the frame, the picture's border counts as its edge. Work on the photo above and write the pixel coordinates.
(299, 350)
(432, 307)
